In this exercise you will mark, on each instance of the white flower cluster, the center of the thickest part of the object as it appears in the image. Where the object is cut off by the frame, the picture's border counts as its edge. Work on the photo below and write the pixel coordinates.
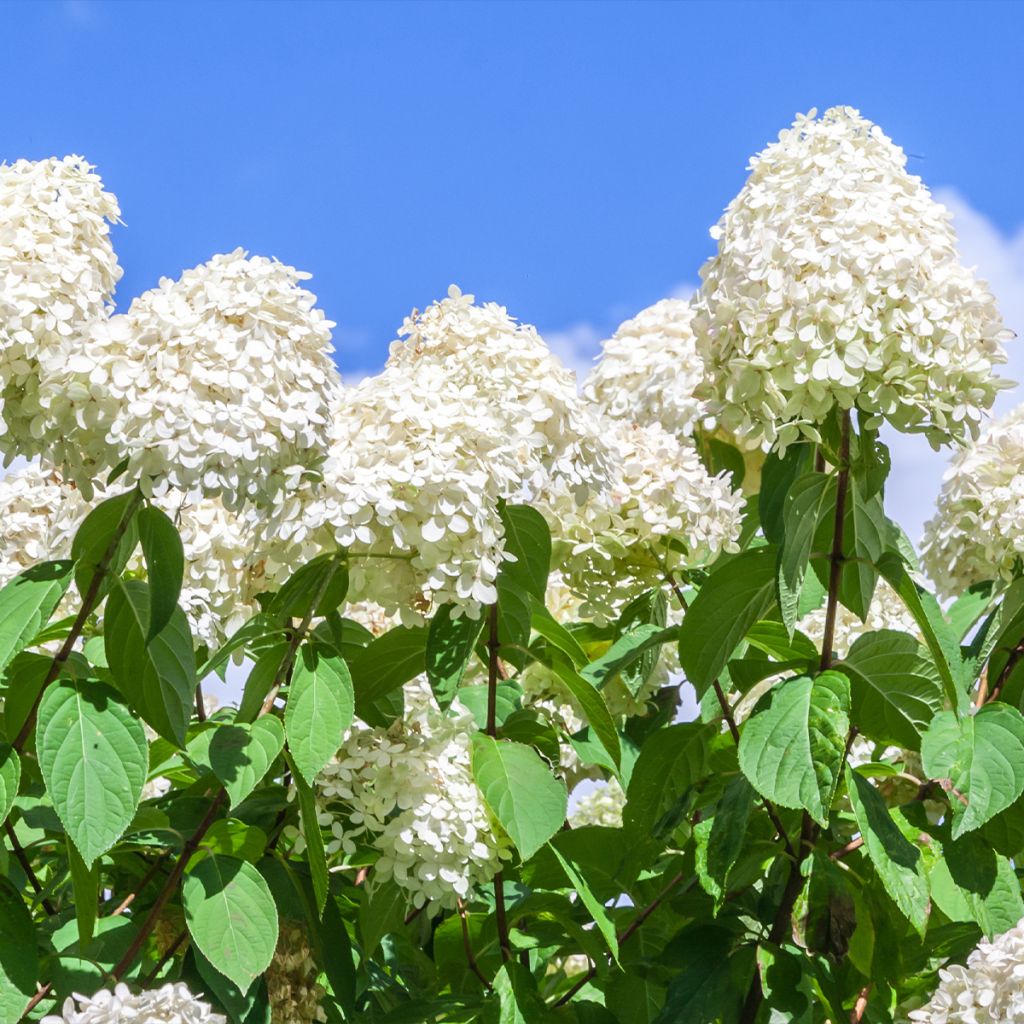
(293, 991)
(221, 381)
(601, 805)
(837, 282)
(39, 514)
(471, 408)
(409, 790)
(989, 990)
(618, 543)
(649, 371)
(57, 272)
(169, 1004)
(977, 532)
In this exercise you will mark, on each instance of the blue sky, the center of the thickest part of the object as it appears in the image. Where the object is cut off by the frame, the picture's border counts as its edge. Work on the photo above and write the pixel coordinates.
(565, 159)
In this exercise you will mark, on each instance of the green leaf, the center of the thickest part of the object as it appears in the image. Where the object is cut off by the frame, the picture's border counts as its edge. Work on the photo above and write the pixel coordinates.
(450, 645)
(731, 601)
(604, 923)
(158, 676)
(165, 566)
(547, 626)
(114, 516)
(19, 959)
(671, 760)
(722, 839)
(295, 598)
(971, 882)
(389, 661)
(528, 541)
(895, 858)
(515, 620)
(10, 779)
(260, 682)
(980, 759)
(528, 801)
(711, 985)
(320, 708)
(231, 917)
(259, 627)
(806, 506)
(518, 1001)
(381, 910)
(593, 705)
(628, 649)
(792, 751)
(94, 759)
(896, 689)
(777, 476)
(943, 645)
(26, 604)
(85, 883)
(240, 755)
(315, 853)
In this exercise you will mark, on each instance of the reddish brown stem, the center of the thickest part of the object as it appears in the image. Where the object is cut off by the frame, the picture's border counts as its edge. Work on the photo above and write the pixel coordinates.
(26, 866)
(470, 958)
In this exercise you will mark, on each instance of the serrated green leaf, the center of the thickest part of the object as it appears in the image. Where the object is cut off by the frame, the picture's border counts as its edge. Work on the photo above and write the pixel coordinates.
(94, 758)
(450, 645)
(231, 917)
(158, 676)
(711, 985)
(593, 705)
(295, 599)
(515, 998)
(320, 708)
(604, 923)
(721, 839)
(390, 660)
(896, 860)
(895, 687)
(528, 540)
(518, 787)
(547, 626)
(981, 757)
(315, 853)
(260, 682)
(10, 779)
(792, 751)
(971, 882)
(381, 910)
(807, 504)
(728, 604)
(19, 960)
(777, 476)
(165, 566)
(628, 649)
(85, 886)
(26, 604)
(96, 533)
(671, 760)
(240, 755)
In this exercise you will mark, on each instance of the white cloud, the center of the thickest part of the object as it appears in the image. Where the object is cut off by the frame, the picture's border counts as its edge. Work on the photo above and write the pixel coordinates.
(999, 260)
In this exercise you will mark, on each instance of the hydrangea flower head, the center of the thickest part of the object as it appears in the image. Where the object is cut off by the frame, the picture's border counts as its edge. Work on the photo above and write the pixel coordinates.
(170, 1004)
(837, 283)
(221, 382)
(977, 532)
(472, 409)
(988, 990)
(58, 271)
(649, 370)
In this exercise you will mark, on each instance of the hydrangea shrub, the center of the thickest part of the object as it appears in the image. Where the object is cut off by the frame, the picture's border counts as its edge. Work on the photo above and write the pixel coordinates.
(468, 695)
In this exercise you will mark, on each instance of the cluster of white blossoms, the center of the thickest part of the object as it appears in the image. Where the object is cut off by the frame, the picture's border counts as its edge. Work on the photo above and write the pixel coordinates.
(649, 371)
(39, 514)
(977, 532)
(989, 990)
(169, 1004)
(220, 382)
(601, 805)
(409, 790)
(471, 408)
(837, 282)
(662, 512)
(293, 992)
(58, 272)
